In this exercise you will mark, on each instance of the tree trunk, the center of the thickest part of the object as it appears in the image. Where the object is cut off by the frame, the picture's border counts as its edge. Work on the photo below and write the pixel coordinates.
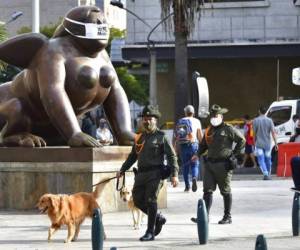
(182, 89)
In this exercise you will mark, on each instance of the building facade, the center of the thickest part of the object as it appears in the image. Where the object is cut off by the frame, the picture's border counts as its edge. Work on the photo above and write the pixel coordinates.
(52, 10)
(245, 49)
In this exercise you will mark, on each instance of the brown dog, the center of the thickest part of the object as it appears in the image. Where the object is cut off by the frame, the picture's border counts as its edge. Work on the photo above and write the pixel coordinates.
(70, 210)
(137, 214)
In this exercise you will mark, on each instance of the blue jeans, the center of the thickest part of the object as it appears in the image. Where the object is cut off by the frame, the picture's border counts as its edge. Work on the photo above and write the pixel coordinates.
(186, 153)
(264, 160)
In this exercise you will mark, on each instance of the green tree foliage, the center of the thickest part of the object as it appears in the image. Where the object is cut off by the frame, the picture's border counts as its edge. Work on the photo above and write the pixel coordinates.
(3, 36)
(136, 88)
(7, 72)
(114, 33)
(3, 32)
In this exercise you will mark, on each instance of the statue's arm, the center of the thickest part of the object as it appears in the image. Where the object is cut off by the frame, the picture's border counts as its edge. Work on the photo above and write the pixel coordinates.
(51, 80)
(117, 111)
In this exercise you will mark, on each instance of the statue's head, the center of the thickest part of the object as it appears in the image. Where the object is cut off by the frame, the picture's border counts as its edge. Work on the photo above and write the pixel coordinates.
(87, 25)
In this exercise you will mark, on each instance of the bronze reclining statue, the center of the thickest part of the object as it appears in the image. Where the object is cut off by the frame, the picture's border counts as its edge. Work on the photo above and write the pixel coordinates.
(63, 78)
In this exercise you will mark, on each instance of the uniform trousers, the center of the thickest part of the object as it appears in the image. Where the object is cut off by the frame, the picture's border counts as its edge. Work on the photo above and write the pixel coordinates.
(216, 173)
(145, 193)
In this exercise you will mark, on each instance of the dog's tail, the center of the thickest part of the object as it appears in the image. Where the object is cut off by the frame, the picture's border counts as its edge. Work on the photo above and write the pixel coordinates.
(99, 189)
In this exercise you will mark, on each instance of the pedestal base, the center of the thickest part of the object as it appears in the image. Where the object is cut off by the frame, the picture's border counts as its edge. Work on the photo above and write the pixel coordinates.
(28, 173)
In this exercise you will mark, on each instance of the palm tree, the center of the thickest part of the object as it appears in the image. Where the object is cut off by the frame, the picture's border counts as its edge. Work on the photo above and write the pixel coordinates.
(183, 20)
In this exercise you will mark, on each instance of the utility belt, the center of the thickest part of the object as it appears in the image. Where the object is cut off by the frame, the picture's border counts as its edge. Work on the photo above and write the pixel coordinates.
(165, 171)
(231, 162)
(217, 160)
(148, 169)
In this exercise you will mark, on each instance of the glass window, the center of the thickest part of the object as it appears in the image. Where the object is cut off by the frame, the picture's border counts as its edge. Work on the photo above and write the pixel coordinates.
(280, 115)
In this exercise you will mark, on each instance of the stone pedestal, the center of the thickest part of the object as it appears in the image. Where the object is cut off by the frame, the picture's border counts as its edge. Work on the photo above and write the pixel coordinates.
(28, 173)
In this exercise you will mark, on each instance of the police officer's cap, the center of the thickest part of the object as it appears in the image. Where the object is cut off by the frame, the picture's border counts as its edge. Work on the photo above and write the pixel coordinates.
(216, 109)
(150, 110)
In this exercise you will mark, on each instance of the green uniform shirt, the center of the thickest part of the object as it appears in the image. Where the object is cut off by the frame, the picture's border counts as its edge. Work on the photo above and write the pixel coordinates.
(219, 142)
(149, 151)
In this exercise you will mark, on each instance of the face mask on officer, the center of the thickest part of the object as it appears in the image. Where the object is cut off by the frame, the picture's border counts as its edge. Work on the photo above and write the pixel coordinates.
(216, 120)
(149, 123)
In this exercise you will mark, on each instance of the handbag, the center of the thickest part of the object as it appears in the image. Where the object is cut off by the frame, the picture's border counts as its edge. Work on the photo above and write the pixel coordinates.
(232, 163)
(165, 171)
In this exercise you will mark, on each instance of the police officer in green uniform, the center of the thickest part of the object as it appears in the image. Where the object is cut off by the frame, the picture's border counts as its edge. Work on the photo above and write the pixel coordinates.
(221, 159)
(150, 150)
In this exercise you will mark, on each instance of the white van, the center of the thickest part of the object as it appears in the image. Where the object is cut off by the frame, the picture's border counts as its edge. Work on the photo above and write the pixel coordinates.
(281, 113)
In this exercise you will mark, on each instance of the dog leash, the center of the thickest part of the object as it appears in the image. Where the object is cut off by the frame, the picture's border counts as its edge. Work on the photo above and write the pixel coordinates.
(123, 183)
(117, 185)
(107, 180)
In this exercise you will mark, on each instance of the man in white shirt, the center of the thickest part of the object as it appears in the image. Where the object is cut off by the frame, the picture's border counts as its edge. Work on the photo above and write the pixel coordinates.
(103, 133)
(188, 135)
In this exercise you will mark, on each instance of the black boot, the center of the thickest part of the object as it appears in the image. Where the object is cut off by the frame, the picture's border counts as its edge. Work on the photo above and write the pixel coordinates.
(148, 236)
(226, 219)
(227, 209)
(208, 198)
(160, 221)
(152, 213)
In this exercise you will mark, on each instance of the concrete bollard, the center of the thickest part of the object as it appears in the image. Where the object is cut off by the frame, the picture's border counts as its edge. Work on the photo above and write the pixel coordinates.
(261, 243)
(97, 230)
(295, 215)
(202, 222)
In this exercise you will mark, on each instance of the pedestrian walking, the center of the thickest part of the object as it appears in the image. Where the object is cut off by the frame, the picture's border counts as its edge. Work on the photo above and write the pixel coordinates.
(222, 158)
(187, 136)
(263, 128)
(249, 148)
(151, 150)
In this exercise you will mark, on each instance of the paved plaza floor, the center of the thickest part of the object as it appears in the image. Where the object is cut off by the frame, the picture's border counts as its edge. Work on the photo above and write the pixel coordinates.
(259, 207)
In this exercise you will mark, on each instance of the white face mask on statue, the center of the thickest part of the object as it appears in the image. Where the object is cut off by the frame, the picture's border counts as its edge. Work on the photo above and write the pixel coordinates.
(216, 120)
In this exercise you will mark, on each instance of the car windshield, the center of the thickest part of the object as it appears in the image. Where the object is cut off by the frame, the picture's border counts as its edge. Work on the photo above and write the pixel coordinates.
(280, 114)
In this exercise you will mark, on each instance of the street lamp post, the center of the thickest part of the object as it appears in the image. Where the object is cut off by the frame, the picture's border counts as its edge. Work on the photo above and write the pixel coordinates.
(35, 16)
(152, 52)
(13, 17)
(151, 49)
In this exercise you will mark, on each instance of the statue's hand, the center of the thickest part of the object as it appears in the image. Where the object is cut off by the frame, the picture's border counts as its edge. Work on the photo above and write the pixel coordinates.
(83, 140)
(24, 140)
